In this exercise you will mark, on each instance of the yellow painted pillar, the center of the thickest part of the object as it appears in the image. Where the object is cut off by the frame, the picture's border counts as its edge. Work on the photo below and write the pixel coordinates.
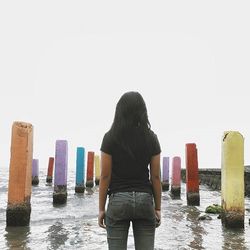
(20, 173)
(232, 180)
(97, 169)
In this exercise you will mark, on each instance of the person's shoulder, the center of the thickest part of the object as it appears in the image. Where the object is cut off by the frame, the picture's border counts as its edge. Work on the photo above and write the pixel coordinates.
(156, 148)
(152, 134)
(107, 135)
(107, 144)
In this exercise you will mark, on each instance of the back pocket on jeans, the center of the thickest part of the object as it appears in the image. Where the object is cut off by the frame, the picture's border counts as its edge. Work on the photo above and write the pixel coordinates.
(145, 207)
(118, 209)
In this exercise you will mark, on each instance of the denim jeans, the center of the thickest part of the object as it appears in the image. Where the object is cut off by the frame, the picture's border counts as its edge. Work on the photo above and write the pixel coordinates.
(126, 207)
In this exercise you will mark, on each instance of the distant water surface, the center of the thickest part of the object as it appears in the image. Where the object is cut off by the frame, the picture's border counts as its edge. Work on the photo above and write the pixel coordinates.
(74, 225)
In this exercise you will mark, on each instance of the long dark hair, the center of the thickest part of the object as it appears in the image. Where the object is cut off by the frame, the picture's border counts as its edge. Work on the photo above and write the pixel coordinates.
(131, 124)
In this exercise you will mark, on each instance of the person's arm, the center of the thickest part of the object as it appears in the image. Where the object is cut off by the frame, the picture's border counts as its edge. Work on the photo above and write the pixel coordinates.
(155, 177)
(106, 167)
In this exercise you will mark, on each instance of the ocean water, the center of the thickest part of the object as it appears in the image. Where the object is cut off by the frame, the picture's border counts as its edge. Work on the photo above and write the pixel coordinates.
(74, 225)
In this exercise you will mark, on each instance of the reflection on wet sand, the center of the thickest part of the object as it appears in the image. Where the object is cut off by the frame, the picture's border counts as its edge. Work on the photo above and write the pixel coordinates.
(197, 230)
(89, 191)
(57, 235)
(17, 237)
(233, 239)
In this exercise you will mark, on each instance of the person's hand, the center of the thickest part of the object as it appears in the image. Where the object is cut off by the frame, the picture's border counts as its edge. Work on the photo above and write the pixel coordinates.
(158, 217)
(101, 219)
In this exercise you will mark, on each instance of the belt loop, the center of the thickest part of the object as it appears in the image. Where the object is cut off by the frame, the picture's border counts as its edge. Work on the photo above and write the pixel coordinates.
(111, 195)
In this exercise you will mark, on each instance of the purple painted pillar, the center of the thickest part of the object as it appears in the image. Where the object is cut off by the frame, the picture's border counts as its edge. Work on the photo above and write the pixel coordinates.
(165, 174)
(61, 169)
(35, 172)
(176, 177)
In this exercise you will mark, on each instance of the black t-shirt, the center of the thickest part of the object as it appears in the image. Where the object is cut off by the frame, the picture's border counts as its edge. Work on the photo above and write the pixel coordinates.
(130, 169)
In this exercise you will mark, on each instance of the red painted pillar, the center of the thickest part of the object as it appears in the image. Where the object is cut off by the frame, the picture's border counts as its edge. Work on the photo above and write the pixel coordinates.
(192, 175)
(90, 170)
(50, 170)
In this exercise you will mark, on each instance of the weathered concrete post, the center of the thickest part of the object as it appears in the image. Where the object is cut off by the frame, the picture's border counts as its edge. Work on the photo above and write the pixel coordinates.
(90, 170)
(19, 189)
(165, 173)
(50, 170)
(192, 175)
(61, 168)
(35, 172)
(80, 170)
(97, 169)
(232, 180)
(176, 177)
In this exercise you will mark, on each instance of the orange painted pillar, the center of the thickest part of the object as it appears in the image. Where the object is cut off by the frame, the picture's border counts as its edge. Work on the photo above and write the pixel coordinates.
(176, 177)
(20, 173)
(50, 170)
(192, 175)
(90, 170)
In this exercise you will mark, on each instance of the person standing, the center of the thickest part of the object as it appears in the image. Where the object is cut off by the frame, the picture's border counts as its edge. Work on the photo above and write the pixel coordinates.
(130, 176)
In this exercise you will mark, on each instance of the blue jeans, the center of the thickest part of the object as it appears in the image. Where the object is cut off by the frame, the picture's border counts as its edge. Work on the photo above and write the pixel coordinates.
(136, 207)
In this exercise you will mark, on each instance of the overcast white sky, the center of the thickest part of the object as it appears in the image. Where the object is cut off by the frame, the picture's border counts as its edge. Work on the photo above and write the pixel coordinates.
(65, 64)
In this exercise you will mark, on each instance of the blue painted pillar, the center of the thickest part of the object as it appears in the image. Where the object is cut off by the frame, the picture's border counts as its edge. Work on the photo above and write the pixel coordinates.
(80, 170)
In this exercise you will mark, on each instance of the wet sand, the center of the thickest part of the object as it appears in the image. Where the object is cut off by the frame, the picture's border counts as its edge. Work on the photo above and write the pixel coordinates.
(74, 225)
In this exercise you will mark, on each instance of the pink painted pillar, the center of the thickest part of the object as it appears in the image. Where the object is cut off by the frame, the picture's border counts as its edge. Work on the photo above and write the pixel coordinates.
(176, 177)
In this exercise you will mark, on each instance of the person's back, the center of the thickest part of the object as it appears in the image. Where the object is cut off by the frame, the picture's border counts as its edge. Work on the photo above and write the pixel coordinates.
(130, 169)
(128, 148)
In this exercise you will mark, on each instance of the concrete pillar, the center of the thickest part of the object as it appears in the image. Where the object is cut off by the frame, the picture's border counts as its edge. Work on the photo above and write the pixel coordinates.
(50, 170)
(19, 188)
(80, 170)
(165, 173)
(35, 172)
(61, 168)
(176, 177)
(232, 180)
(192, 175)
(97, 169)
(90, 170)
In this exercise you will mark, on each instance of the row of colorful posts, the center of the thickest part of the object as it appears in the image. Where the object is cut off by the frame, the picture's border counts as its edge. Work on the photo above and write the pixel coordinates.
(61, 168)
(232, 178)
(60, 182)
(24, 172)
(192, 176)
